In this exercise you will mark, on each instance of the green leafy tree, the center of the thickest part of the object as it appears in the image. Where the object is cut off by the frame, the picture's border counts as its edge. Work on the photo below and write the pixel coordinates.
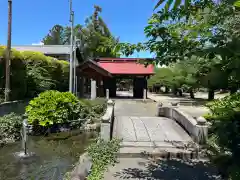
(96, 40)
(187, 3)
(55, 36)
(207, 30)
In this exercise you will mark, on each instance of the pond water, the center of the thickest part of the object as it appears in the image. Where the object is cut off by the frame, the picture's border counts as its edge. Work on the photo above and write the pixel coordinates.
(54, 156)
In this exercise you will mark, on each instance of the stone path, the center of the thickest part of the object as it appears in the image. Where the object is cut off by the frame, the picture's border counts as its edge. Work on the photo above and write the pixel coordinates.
(141, 130)
(148, 131)
(143, 169)
(135, 107)
(136, 123)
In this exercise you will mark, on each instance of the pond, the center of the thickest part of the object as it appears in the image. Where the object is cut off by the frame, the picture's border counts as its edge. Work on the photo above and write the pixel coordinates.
(54, 156)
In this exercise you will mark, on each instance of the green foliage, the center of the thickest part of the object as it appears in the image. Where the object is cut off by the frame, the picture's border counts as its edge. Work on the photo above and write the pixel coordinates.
(96, 107)
(186, 3)
(53, 107)
(103, 154)
(225, 135)
(33, 73)
(203, 38)
(55, 36)
(162, 77)
(178, 75)
(10, 126)
(18, 74)
(96, 38)
(226, 106)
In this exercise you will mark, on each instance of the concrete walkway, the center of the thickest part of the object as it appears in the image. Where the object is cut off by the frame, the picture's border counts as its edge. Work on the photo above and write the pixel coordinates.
(136, 123)
(135, 107)
(195, 111)
(144, 169)
(148, 131)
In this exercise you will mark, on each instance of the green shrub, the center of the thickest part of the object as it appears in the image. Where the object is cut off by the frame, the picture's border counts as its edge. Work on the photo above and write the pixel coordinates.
(97, 106)
(54, 107)
(103, 153)
(225, 134)
(33, 73)
(18, 75)
(10, 126)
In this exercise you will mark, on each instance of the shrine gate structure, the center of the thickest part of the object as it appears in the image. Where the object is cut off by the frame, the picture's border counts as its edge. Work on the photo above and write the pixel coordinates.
(98, 77)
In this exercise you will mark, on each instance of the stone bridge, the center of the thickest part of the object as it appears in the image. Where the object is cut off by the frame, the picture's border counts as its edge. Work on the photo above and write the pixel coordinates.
(148, 127)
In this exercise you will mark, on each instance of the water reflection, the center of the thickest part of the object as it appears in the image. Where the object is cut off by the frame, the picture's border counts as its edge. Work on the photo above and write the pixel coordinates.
(54, 156)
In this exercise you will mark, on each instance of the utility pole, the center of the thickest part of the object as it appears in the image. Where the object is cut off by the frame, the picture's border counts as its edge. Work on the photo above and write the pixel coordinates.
(8, 52)
(75, 64)
(71, 48)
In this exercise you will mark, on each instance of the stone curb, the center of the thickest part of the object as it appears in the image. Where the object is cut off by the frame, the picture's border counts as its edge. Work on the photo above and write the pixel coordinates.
(164, 154)
(82, 168)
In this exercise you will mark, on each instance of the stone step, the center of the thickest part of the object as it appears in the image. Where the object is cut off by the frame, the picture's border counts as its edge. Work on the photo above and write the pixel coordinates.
(167, 153)
(158, 144)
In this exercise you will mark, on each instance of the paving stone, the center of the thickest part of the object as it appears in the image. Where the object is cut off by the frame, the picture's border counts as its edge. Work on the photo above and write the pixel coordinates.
(137, 144)
(140, 130)
(125, 128)
(153, 129)
(145, 135)
(161, 169)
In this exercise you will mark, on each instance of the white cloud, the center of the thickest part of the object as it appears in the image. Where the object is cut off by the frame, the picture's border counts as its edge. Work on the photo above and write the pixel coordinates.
(40, 43)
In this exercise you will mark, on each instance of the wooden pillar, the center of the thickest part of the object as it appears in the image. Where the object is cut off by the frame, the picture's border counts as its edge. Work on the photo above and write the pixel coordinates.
(145, 88)
(110, 84)
(100, 89)
(81, 86)
(139, 87)
(113, 88)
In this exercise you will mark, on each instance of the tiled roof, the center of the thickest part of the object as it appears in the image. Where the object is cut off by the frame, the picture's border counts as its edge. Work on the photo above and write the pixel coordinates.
(122, 59)
(127, 68)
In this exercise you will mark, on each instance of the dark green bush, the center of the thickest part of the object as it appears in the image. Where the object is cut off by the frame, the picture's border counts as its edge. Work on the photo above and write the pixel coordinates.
(54, 107)
(18, 74)
(224, 141)
(33, 73)
(10, 127)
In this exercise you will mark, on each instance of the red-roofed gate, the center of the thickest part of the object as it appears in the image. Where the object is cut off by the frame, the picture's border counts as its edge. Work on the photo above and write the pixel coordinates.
(105, 71)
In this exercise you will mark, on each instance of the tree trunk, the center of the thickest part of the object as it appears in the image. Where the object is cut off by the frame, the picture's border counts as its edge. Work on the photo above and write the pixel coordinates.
(180, 92)
(210, 94)
(233, 90)
(174, 91)
(191, 93)
(166, 89)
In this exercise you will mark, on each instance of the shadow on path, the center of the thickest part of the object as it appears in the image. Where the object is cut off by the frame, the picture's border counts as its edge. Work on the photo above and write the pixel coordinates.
(170, 170)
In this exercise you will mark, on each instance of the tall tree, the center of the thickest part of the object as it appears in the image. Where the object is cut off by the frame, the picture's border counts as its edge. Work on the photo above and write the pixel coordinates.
(55, 36)
(97, 10)
(95, 37)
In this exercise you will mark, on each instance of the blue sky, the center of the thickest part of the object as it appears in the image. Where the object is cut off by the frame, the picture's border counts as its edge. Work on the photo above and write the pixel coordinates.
(32, 19)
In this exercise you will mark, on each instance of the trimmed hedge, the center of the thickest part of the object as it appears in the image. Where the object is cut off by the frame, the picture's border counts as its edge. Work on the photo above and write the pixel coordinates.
(33, 73)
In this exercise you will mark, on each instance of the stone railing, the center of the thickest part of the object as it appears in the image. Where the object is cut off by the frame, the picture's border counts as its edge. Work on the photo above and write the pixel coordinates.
(197, 128)
(17, 107)
(107, 122)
